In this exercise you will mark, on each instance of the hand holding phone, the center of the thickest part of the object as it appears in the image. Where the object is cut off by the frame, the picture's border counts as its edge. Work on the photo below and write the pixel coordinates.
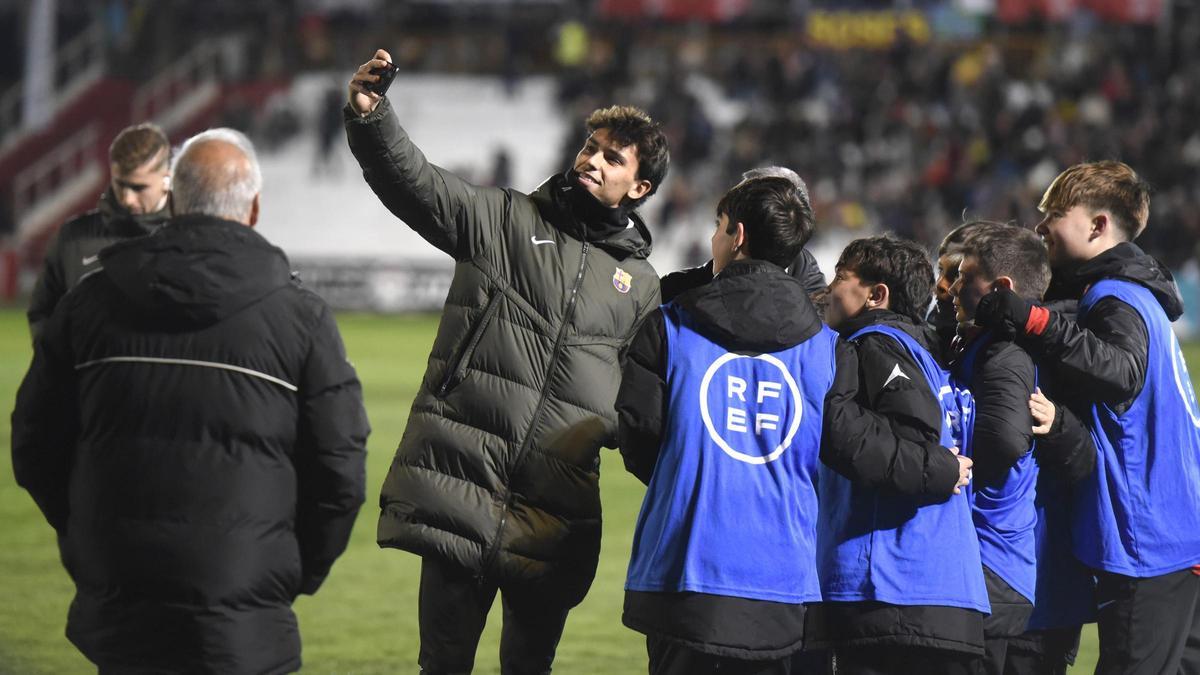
(371, 81)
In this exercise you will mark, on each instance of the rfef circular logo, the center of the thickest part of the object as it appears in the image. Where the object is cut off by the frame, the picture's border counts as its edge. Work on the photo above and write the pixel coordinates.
(1184, 382)
(751, 406)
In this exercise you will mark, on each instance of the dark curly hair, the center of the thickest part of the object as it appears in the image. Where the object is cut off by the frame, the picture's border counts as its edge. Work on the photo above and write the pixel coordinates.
(901, 265)
(628, 125)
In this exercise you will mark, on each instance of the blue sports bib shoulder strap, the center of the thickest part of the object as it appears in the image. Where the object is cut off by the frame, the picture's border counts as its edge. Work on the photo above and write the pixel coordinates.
(1126, 291)
(933, 372)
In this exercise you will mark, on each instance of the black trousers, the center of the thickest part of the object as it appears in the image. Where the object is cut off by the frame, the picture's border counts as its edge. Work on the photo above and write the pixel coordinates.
(1043, 652)
(1144, 624)
(898, 660)
(453, 608)
(1009, 617)
(672, 658)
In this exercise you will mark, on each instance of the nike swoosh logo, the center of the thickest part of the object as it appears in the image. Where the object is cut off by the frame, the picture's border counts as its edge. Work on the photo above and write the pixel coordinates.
(896, 373)
(539, 242)
(88, 260)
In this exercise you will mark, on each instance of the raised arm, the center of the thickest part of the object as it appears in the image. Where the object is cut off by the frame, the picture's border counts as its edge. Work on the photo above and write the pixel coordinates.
(1107, 359)
(448, 212)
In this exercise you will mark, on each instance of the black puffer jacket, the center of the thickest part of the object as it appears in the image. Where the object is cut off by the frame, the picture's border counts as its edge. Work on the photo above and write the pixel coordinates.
(497, 471)
(191, 427)
(914, 414)
(74, 251)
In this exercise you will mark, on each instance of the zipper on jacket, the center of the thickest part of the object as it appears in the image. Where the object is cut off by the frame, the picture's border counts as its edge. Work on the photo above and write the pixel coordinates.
(459, 371)
(494, 548)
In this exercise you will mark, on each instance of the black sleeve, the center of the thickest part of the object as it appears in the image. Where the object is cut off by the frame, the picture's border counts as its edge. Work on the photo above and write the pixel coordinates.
(45, 422)
(331, 453)
(1067, 450)
(893, 385)
(1003, 432)
(1105, 362)
(642, 399)
(862, 446)
(48, 290)
(806, 269)
(685, 280)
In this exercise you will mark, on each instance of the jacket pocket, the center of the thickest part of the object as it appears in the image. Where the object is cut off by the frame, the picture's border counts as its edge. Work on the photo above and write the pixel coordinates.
(458, 368)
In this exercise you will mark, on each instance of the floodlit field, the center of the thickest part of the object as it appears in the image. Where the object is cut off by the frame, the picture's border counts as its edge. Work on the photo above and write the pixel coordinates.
(364, 619)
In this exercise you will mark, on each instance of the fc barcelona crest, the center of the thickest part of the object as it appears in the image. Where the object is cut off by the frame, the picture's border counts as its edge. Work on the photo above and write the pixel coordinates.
(622, 280)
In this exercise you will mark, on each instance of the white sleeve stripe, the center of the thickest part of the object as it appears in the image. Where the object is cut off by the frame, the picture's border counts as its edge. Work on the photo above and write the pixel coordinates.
(188, 362)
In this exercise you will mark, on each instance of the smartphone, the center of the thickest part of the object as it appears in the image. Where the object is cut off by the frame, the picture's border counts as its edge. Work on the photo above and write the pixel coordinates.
(386, 75)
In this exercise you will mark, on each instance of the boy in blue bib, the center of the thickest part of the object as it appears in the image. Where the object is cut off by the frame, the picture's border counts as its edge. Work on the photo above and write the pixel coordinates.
(901, 580)
(1007, 506)
(1136, 518)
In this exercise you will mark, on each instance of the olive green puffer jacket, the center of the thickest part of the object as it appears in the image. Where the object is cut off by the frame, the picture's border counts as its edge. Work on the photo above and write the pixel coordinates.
(498, 469)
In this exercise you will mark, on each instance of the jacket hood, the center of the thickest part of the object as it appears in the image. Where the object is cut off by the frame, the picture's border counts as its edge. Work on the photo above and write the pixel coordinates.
(196, 269)
(121, 223)
(553, 200)
(1129, 262)
(753, 305)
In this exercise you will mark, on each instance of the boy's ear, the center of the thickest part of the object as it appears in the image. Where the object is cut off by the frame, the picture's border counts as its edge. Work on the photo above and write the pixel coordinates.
(1003, 283)
(1100, 224)
(739, 238)
(879, 297)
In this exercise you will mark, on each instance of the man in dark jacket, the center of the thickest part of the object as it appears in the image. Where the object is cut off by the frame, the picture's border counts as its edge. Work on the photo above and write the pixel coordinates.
(724, 554)
(134, 204)
(496, 480)
(1136, 518)
(803, 267)
(192, 429)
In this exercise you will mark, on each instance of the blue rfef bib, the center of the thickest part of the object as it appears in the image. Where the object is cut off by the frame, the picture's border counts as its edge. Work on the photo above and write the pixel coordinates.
(1065, 594)
(732, 507)
(1138, 514)
(1005, 516)
(896, 549)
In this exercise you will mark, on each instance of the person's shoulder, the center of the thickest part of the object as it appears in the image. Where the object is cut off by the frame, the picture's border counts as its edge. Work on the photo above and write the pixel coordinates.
(305, 299)
(1002, 361)
(88, 222)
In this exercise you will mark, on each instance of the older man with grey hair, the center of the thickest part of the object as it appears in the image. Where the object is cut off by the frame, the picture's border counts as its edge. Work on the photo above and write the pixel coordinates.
(804, 267)
(192, 430)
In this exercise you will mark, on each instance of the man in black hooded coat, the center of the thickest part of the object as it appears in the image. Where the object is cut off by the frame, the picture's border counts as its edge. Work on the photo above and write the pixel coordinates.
(192, 430)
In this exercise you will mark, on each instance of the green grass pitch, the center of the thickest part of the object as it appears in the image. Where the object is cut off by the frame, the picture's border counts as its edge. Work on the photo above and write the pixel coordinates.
(364, 618)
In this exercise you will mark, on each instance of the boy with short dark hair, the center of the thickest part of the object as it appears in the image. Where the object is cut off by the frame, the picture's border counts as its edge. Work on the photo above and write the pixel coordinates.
(942, 318)
(725, 396)
(901, 577)
(1021, 489)
(1001, 378)
(1136, 518)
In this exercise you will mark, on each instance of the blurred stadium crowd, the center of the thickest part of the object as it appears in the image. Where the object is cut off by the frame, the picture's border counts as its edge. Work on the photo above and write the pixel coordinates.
(908, 120)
